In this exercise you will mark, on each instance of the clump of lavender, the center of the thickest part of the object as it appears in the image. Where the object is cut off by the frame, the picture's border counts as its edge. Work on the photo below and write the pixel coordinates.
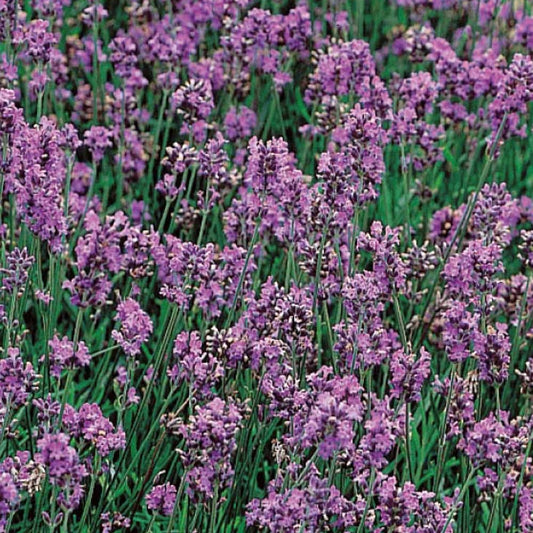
(459, 329)
(405, 507)
(193, 365)
(135, 327)
(162, 499)
(63, 468)
(98, 255)
(312, 505)
(494, 354)
(209, 442)
(328, 417)
(258, 266)
(18, 381)
(409, 374)
(89, 424)
(63, 354)
(35, 175)
(510, 102)
(9, 497)
(15, 274)
(382, 243)
(114, 522)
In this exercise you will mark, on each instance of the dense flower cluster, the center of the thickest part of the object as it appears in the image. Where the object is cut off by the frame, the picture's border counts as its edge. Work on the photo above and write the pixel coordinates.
(162, 499)
(64, 354)
(209, 442)
(63, 467)
(135, 327)
(266, 266)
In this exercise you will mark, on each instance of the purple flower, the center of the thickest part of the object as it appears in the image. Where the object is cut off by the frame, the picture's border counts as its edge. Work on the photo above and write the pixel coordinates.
(239, 124)
(63, 355)
(493, 350)
(444, 224)
(473, 271)
(461, 413)
(39, 42)
(262, 43)
(198, 368)
(408, 374)
(345, 68)
(9, 497)
(114, 522)
(18, 266)
(526, 248)
(334, 405)
(524, 33)
(162, 499)
(495, 215)
(278, 382)
(274, 195)
(459, 329)
(406, 509)
(63, 467)
(93, 13)
(210, 441)
(123, 55)
(11, 117)
(194, 102)
(382, 428)
(515, 91)
(35, 174)
(382, 243)
(419, 92)
(98, 255)
(483, 442)
(201, 274)
(313, 505)
(525, 509)
(97, 139)
(355, 171)
(48, 411)
(135, 328)
(17, 381)
(90, 424)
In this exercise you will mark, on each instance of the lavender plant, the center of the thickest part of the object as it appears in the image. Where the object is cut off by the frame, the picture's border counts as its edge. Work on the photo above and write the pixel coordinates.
(266, 266)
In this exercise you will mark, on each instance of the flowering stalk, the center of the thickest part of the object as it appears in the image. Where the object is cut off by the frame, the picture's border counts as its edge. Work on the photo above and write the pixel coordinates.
(251, 247)
(459, 499)
(162, 109)
(442, 440)
(459, 234)
(88, 498)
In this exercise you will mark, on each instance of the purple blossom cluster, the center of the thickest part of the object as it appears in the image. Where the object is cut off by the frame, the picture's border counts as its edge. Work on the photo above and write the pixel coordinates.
(209, 440)
(266, 266)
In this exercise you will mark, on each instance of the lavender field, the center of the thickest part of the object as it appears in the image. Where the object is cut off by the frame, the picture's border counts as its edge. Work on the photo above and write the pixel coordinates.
(266, 266)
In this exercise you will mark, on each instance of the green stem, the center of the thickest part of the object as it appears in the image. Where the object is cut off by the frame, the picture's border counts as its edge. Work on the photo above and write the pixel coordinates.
(442, 433)
(459, 499)
(89, 497)
(243, 274)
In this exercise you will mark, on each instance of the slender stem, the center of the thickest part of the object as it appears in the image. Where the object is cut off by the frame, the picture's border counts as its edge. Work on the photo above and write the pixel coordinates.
(407, 443)
(442, 432)
(89, 497)
(457, 502)
(243, 273)
(213, 516)
(521, 478)
(177, 504)
(367, 503)
(461, 228)
(104, 350)
(155, 148)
